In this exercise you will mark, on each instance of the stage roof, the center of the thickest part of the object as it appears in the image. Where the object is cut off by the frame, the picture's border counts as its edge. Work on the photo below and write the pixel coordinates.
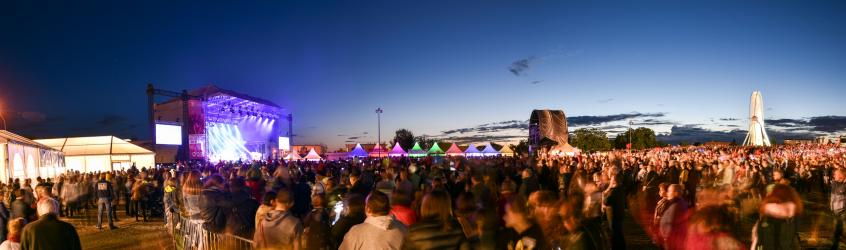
(94, 145)
(212, 90)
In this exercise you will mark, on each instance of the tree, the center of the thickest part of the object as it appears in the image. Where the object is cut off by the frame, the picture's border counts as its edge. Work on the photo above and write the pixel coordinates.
(424, 142)
(521, 148)
(405, 138)
(641, 138)
(591, 140)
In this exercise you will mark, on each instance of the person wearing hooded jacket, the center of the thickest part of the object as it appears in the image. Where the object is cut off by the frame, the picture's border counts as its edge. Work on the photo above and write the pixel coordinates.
(214, 204)
(379, 230)
(279, 229)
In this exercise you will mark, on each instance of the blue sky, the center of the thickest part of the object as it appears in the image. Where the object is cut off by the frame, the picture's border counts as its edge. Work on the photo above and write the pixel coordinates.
(69, 68)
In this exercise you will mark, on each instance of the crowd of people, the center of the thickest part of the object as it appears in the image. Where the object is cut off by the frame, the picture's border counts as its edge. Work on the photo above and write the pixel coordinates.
(683, 197)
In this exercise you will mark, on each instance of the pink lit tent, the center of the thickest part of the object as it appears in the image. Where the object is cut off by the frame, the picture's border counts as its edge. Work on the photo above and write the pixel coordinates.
(472, 151)
(358, 151)
(378, 151)
(397, 151)
(454, 151)
(313, 156)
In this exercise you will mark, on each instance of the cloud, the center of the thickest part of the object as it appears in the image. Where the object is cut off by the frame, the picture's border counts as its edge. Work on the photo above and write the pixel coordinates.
(588, 120)
(364, 133)
(353, 137)
(536, 82)
(652, 122)
(828, 124)
(786, 122)
(481, 138)
(605, 100)
(729, 119)
(519, 67)
(491, 127)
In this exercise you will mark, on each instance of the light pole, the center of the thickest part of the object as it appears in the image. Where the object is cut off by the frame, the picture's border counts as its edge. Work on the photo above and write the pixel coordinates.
(630, 135)
(379, 128)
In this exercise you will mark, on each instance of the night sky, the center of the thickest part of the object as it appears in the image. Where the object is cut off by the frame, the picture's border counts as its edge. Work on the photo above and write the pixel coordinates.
(464, 71)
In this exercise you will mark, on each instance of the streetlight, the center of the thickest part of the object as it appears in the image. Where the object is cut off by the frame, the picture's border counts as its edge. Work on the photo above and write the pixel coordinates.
(630, 134)
(379, 128)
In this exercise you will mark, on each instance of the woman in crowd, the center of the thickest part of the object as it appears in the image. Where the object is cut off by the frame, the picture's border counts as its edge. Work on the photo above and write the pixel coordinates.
(13, 240)
(437, 229)
(777, 226)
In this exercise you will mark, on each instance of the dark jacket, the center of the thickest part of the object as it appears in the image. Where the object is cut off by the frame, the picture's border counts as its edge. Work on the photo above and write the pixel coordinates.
(343, 225)
(317, 224)
(241, 221)
(214, 206)
(429, 233)
(104, 189)
(49, 233)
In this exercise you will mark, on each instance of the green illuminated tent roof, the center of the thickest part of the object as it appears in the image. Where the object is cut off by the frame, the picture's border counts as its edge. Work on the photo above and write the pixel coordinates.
(436, 150)
(416, 151)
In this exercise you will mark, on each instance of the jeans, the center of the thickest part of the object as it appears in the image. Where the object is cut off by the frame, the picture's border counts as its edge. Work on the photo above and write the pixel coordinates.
(104, 203)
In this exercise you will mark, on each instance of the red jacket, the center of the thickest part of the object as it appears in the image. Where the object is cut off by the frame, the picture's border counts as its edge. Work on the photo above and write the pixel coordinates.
(404, 214)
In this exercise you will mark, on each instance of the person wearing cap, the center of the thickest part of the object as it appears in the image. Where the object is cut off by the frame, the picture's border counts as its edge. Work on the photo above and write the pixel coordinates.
(104, 201)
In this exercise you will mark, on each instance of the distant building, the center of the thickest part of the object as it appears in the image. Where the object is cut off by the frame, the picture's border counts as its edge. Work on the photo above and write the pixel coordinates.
(799, 141)
(716, 144)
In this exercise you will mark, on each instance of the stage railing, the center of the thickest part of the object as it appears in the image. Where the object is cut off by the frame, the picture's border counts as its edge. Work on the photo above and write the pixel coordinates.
(189, 235)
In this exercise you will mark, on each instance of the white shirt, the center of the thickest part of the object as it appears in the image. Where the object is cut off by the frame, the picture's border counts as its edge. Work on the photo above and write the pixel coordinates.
(8, 245)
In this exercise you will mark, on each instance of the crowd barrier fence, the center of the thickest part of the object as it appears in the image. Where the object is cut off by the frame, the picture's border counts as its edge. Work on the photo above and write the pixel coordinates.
(189, 234)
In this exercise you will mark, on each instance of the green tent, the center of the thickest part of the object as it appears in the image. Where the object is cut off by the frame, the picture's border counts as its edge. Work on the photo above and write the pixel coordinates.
(436, 150)
(416, 151)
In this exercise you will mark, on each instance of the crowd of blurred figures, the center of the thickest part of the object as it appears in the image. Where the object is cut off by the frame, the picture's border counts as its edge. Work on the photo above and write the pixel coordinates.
(682, 197)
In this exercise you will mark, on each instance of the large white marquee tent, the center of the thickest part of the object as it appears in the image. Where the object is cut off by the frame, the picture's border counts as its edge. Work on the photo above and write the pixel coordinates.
(101, 153)
(24, 158)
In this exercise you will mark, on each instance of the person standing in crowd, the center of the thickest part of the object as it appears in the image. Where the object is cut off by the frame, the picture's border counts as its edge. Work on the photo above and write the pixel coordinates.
(267, 204)
(105, 193)
(13, 241)
(49, 232)
(279, 229)
(139, 198)
(241, 220)
(710, 229)
(524, 232)
(401, 207)
(673, 224)
(352, 215)
(777, 223)
(379, 230)
(21, 209)
(576, 235)
(437, 229)
(317, 225)
(214, 204)
(837, 203)
(615, 207)
(659, 212)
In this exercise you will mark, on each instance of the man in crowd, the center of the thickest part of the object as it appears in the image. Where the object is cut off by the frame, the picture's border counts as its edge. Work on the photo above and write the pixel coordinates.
(838, 204)
(379, 230)
(48, 232)
(104, 201)
(279, 229)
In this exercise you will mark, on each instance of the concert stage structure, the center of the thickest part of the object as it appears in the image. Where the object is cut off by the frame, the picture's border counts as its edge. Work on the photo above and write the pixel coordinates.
(214, 124)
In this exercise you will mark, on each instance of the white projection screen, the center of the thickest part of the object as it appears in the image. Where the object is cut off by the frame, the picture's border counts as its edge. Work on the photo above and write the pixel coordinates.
(168, 134)
(284, 143)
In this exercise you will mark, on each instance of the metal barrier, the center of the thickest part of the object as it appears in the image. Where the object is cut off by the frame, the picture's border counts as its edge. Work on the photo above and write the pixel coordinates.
(189, 235)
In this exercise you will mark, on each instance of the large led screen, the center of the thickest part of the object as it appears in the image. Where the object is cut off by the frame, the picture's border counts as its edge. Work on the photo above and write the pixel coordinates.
(168, 134)
(284, 143)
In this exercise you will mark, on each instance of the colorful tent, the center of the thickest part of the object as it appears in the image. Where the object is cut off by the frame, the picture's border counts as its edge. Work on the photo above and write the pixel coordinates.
(489, 150)
(436, 150)
(472, 151)
(293, 155)
(397, 151)
(506, 150)
(454, 151)
(416, 151)
(358, 151)
(378, 151)
(313, 156)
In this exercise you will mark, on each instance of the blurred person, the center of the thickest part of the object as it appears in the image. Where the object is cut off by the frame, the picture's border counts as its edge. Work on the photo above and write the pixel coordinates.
(353, 214)
(837, 203)
(279, 229)
(379, 230)
(524, 232)
(710, 229)
(49, 232)
(777, 223)
(673, 222)
(401, 207)
(241, 220)
(317, 224)
(659, 212)
(192, 189)
(13, 241)
(437, 229)
(214, 204)
(615, 210)
(19, 208)
(465, 213)
(268, 203)
(576, 236)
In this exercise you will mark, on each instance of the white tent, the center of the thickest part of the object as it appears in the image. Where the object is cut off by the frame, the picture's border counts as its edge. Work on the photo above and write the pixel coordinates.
(24, 158)
(313, 156)
(101, 153)
(293, 156)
